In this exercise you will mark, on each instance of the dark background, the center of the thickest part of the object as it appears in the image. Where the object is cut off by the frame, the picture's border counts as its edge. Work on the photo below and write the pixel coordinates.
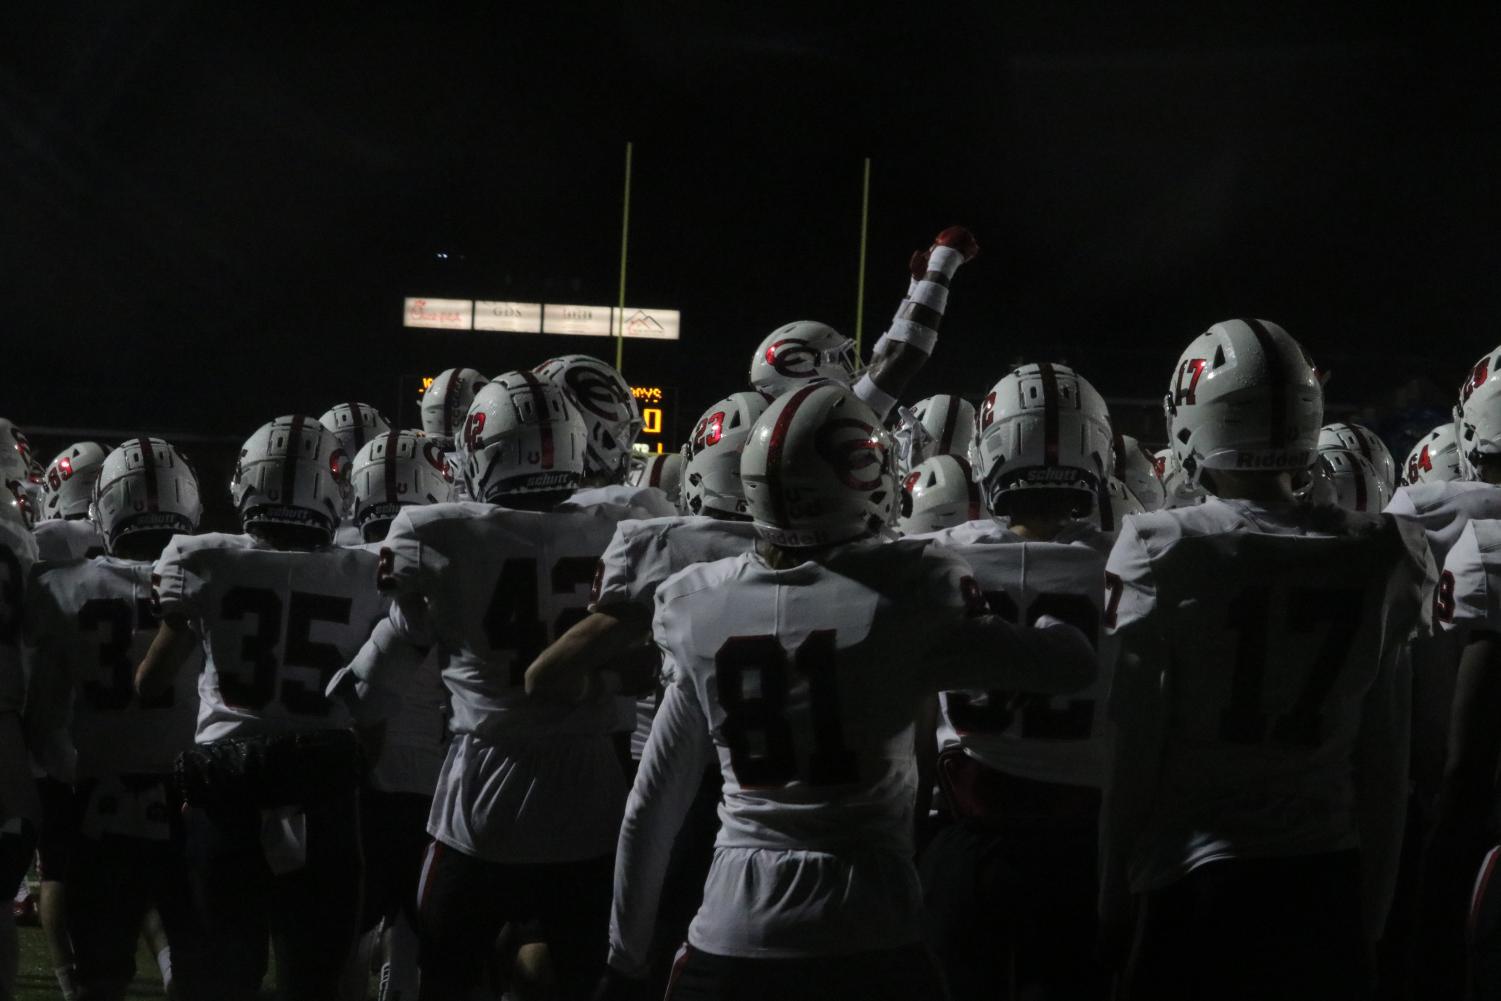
(212, 212)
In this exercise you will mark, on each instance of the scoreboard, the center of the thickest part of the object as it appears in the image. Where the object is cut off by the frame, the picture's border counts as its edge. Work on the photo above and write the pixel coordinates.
(658, 424)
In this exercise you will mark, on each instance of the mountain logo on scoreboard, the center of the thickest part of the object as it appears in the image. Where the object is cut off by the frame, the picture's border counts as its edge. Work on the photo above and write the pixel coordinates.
(643, 324)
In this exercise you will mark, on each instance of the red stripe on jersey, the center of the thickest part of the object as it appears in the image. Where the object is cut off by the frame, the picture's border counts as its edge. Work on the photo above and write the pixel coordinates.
(775, 445)
(679, 963)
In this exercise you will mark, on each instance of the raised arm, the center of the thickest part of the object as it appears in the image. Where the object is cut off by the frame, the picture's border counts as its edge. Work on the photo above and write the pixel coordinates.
(906, 346)
(170, 649)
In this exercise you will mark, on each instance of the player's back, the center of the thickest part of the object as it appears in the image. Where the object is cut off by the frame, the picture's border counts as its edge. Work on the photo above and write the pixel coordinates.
(276, 625)
(1273, 624)
(810, 678)
(500, 584)
(641, 502)
(17, 556)
(1060, 739)
(645, 552)
(91, 621)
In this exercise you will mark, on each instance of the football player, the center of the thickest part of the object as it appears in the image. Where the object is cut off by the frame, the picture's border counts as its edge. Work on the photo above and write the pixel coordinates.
(272, 785)
(1257, 784)
(391, 471)
(1347, 479)
(353, 424)
(21, 467)
(801, 666)
(530, 795)
(1009, 885)
(806, 350)
(111, 754)
(642, 555)
(939, 493)
(939, 425)
(1435, 457)
(662, 470)
(20, 810)
(613, 418)
(1364, 442)
(1178, 488)
(1136, 469)
(1459, 904)
(65, 531)
(444, 404)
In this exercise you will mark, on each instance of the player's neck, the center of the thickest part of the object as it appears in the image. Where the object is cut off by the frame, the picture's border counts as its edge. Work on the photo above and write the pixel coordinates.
(1258, 487)
(1040, 529)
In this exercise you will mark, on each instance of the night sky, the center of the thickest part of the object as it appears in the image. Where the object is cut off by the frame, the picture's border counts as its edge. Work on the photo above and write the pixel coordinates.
(213, 211)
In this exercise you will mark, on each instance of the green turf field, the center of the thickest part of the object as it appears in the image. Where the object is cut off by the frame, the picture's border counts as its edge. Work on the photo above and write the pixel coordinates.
(36, 982)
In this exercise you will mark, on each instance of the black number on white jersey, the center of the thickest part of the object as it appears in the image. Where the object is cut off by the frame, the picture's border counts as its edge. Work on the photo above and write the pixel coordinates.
(254, 687)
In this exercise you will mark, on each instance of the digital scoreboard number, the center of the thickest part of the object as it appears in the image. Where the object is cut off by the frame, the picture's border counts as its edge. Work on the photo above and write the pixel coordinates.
(657, 426)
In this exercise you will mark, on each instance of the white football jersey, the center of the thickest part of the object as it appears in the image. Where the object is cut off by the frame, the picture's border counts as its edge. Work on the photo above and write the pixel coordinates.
(67, 539)
(275, 624)
(804, 683)
(414, 730)
(348, 536)
(641, 502)
(89, 623)
(644, 553)
(1469, 591)
(1443, 508)
(1266, 639)
(525, 780)
(1084, 533)
(1058, 739)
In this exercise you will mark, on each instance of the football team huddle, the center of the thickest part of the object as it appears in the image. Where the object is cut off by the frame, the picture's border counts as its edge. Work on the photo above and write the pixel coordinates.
(847, 699)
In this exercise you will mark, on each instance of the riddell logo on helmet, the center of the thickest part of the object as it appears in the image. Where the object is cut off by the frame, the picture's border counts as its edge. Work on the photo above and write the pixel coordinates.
(1271, 460)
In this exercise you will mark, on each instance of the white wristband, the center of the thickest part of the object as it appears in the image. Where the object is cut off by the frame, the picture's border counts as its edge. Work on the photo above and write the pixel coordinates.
(874, 396)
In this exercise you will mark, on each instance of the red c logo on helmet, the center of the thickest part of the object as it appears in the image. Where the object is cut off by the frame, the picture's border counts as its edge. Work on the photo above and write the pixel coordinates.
(860, 462)
(793, 358)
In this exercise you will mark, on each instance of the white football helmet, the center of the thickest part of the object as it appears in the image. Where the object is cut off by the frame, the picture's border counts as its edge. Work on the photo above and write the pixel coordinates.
(446, 402)
(523, 435)
(1136, 469)
(68, 483)
(292, 472)
(1244, 397)
(1178, 490)
(145, 485)
(1347, 479)
(1114, 503)
(939, 493)
(611, 415)
(392, 470)
(662, 470)
(711, 479)
(354, 424)
(1435, 457)
(819, 469)
(948, 423)
(799, 352)
(1043, 425)
(1362, 440)
(1477, 417)
(18, 466)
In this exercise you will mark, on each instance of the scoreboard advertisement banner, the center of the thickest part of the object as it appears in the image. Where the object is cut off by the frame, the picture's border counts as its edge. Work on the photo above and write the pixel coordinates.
(501, 316)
